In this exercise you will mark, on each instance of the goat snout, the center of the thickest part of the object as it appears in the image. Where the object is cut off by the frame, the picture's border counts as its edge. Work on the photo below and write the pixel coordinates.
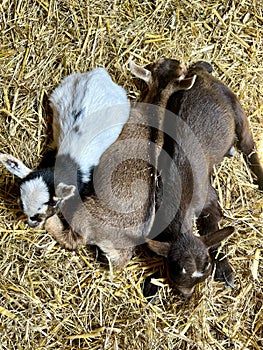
(186, 293)
(35, 224)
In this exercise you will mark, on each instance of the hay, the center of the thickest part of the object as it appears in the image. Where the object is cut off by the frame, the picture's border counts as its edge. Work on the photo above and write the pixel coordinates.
(54, 299)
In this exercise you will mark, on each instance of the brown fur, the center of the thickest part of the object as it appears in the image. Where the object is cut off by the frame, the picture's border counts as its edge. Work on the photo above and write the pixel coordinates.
(208, 119)
(121, 214)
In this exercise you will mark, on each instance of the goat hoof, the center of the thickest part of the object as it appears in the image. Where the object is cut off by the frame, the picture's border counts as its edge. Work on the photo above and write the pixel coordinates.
(149, 290)
(69, 246)
(224, 273)
(229, 280)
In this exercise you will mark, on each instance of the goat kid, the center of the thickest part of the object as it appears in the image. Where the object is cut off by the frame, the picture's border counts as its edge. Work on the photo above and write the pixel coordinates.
(89, 111)
(205, 123)
(121, 214)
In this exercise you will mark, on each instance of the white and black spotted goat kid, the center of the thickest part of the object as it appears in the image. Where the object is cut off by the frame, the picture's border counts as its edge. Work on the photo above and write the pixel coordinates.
(89, 111)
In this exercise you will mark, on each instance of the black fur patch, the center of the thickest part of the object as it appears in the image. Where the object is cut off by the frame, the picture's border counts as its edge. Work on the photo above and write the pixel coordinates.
(76, 114)
(76, 129)
(68, 172)
(47, 175)
(48, 159)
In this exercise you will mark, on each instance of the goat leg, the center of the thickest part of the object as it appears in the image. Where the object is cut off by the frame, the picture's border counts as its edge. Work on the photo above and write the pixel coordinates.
(67, 238)
(209, 218)
(119, 257)
(247, 145)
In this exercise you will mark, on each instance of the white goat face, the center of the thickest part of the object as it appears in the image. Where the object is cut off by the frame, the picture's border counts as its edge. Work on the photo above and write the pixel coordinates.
(34, 200)
(34, 191)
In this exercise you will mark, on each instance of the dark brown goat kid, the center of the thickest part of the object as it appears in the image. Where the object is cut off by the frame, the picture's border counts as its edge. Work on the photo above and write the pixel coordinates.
(206, 121)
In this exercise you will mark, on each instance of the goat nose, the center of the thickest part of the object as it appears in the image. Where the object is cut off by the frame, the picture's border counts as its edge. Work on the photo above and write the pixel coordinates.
(186, 293)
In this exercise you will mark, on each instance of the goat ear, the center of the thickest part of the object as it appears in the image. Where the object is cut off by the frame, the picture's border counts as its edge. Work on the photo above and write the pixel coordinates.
(160, 248)
(140, 72)
(14, 165)
(213, 239)
(64, 192)
(205, 65)
(186, 83)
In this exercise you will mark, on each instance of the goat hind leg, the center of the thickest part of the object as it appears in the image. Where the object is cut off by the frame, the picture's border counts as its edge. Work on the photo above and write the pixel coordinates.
(247, 146)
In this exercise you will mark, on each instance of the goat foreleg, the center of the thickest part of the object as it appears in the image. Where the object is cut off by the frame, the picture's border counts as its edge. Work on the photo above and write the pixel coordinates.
(67, 238)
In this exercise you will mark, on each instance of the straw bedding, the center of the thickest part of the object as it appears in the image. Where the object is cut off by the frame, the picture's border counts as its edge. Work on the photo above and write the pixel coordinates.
(51, 298)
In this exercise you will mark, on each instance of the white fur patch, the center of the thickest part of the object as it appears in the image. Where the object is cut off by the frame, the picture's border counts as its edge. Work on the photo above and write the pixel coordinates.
(34, 195)
(181, 77)
(89, 113)
(184, 271)
(14, 165)
(197, 274)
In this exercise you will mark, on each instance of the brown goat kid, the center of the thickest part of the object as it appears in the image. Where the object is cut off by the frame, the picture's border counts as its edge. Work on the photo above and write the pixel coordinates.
(121, 213)
(206, 121)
